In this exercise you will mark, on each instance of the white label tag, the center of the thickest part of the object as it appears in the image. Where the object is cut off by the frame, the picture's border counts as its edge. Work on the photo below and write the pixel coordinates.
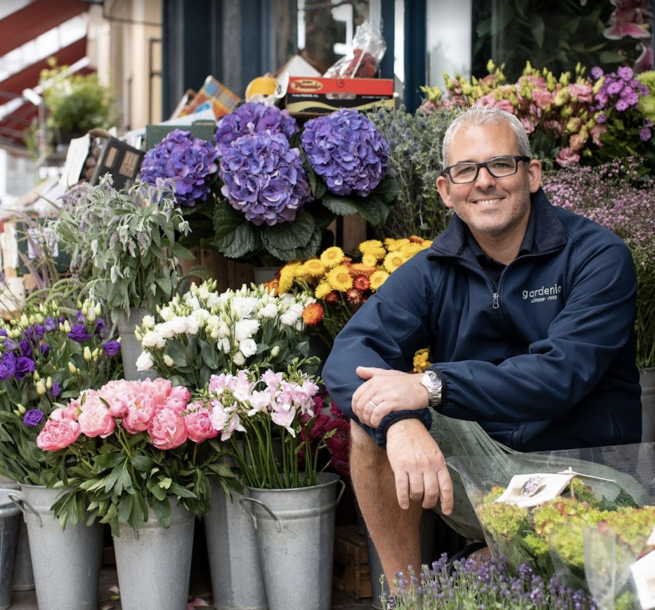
(643, 573)
(528, 490)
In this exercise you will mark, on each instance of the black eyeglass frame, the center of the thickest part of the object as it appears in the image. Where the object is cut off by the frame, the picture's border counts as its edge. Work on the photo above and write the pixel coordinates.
(517, 158)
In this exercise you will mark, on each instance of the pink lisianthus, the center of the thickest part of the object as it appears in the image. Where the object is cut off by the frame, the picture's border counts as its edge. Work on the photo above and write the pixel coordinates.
(58, 434)
(583, 91)
(167, 429)
(528, 125)
(566, 157)
(490, 100)
(596, 132)
(198, 423)
(578, 141)
(96, 420)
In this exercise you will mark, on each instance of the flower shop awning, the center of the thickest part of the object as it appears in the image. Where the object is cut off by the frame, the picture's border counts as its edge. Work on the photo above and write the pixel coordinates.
(18, 28)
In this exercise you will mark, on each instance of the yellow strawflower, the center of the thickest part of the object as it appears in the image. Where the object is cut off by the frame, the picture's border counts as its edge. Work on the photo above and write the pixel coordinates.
(322, 290)
(339, 278)
(313, 268)
(370, 260)
(332, 256)
(393, 260)
(394, 245)
(287, 275)
(378, 278)
(421, 362)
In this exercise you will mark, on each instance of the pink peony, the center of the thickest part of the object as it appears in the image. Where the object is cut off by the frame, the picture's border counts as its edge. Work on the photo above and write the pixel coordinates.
(167, 429)
(95, 420)
(199, 424)
(58, 434)
(72, 412)
(140, 412)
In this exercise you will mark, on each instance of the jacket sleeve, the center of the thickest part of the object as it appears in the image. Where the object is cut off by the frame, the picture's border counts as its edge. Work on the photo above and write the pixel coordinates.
(385, 333)
(558, 371)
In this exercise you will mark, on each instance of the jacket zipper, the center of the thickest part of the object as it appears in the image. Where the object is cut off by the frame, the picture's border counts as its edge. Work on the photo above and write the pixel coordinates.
(496, 301)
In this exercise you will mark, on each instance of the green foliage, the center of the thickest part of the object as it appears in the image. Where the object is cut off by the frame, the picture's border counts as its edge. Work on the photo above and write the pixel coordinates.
(76, 103)
(124, 243)
(415, 163)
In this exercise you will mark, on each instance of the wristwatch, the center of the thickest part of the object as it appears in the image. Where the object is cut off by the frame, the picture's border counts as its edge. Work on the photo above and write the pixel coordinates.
(432, 383)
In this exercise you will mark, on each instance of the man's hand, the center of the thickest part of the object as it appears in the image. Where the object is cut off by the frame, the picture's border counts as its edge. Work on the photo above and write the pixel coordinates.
(419, 467)
(386, 391)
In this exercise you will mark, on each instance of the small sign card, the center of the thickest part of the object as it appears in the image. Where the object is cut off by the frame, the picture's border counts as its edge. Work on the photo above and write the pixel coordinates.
(643, 574)
(527, 490)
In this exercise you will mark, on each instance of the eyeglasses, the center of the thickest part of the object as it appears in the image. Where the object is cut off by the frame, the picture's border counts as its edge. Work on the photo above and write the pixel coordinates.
(498, 167)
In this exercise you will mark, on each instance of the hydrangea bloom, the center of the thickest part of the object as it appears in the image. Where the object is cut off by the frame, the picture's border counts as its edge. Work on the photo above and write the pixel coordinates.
(347, 151)
(186, 159)
(264, 178)
(253, 118)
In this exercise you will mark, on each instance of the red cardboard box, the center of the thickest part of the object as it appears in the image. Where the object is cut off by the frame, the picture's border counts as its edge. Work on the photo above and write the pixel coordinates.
(314, 96)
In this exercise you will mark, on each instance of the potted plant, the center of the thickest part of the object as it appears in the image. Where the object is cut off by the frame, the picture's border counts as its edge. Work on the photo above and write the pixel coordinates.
(125, 246)
(76, 103)
(143, 457)
(51, 354)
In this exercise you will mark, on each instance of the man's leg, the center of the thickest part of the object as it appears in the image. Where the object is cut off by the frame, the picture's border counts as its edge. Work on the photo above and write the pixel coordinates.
(394, 531)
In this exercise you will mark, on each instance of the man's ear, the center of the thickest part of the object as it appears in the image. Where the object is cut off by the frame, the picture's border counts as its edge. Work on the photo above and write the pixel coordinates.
(534, 175)
(443, 186)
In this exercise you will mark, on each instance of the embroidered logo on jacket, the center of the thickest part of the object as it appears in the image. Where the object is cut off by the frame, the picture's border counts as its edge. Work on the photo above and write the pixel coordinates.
(545, 293)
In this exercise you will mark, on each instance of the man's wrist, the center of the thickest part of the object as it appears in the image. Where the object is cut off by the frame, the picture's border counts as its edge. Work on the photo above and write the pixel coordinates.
(423, 415)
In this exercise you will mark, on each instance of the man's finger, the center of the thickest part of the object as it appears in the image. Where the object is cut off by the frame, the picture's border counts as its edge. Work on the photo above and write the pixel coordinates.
(366, 372)
(380, 412)
(431, 490)
(445, 490)
(416, 486)
(402, 489)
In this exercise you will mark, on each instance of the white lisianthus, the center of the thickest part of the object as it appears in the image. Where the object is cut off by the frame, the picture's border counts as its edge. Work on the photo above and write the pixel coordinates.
(203, 292)
(224, 344)
(201, 316)
(244, 329)
(212, 300)
(192, 301)
(244, 306)
(268, 311)
(223, 330)
(248, 347)
(292, 315)
(179, 325)
(153, 339)
(239, 359)
(191, 325)
(148, 323)
(275, 351)
(168, 361)
(166, 314)
(144, 362)
(165, 329)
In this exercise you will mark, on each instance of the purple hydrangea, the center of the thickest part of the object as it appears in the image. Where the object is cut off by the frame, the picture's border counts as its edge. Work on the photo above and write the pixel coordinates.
(33, 417)
(186, 159)
(264, 178)
(347, 151)
(253, 118)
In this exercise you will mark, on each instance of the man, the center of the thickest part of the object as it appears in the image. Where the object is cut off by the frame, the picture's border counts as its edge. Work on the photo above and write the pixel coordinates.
(528, 311)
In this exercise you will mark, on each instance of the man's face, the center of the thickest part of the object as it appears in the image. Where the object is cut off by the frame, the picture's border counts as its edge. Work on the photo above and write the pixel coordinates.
(493, 208)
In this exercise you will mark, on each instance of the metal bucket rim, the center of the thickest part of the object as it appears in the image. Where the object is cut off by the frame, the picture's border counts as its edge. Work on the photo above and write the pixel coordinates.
(332, 481)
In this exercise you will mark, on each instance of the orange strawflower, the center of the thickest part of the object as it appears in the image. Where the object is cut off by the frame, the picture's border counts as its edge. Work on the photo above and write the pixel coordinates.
(361, 282)
(313, 314)
(354, 297)
(333, 297)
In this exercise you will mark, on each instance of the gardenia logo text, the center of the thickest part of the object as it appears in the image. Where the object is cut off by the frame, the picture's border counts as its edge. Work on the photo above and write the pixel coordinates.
(545, 293)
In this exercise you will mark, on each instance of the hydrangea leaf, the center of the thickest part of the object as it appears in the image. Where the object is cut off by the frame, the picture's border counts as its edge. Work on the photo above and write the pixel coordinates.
(388, 190)
(235, 236)
(306, 251)
(339, 205)
(373, 209)
(290, 235)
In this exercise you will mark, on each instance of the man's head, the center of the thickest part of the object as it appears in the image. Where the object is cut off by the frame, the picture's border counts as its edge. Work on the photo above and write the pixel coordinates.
(489, 174)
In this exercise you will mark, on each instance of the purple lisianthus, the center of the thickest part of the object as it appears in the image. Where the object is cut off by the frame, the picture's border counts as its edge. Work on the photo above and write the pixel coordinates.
(80, 317)
(264, 178)
(10, 345)
(50, 324)
(3, 332)
(55, 390)
(347, 151)
(79, 334)
(253, 118)
(187, 160)
(33, 417)
(25, 348)
(7, 366)
(111, 348)
(45, 349)
(24, 366)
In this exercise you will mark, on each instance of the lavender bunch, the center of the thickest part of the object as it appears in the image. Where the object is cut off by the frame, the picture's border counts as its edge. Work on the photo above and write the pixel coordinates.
(189, 161)
(253, 118)
(263, 178)
(347, 151)
(487, 584)
(614, 196)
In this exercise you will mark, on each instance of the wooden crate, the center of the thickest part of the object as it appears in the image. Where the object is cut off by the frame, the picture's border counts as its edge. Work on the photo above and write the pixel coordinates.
(351, 572)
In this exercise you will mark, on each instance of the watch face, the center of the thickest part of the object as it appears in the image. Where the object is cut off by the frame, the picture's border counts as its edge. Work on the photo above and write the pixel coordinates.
(432, 378)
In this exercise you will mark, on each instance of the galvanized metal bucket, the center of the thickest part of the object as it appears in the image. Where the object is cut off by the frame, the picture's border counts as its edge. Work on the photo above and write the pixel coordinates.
(295, 539)
(130, 346)
(9, 527)
(23, 575)
(66, 563)
(154, 563)
(236, 572)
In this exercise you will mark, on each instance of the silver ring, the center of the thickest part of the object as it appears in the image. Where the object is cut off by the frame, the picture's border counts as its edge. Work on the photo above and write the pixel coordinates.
(370, 402)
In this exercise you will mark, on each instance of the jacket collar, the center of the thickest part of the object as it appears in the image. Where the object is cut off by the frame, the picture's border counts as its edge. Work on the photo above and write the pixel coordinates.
(549, 232)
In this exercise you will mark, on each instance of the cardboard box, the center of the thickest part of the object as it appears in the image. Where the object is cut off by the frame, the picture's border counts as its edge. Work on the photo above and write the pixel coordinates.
(201, 129)
(215, 95)
(120, 160)
(315, 96)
